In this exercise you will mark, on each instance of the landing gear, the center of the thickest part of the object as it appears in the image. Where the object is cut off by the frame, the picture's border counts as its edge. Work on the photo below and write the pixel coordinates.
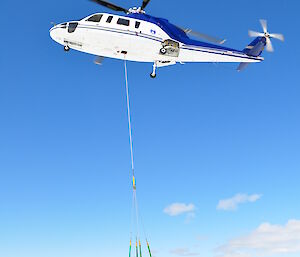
(153, 74)
(66, 48)
(159, 64)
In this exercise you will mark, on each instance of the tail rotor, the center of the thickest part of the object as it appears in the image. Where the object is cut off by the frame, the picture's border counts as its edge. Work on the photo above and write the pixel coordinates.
(266, 35)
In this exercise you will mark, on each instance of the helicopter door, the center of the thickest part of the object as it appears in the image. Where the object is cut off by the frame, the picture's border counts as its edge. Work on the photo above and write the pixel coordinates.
(170, 48)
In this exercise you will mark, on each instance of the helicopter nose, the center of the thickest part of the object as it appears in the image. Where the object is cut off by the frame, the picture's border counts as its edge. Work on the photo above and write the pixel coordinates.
(57, 32)
(52, 32)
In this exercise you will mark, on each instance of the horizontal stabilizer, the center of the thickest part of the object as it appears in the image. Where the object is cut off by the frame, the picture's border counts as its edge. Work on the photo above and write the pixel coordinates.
(242, 66)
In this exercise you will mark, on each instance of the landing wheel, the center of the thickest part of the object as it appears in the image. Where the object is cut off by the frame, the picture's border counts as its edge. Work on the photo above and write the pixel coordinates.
(66, 48)
(153, 75)
(163, 50)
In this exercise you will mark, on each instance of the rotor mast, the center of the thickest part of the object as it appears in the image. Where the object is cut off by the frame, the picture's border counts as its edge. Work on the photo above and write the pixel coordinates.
(117, 8)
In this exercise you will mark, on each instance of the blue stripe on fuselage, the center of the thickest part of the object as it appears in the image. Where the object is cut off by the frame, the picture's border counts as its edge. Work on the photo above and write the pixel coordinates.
(176, 33)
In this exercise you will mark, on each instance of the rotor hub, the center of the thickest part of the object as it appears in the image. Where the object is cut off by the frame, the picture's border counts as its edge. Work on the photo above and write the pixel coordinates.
(136, 10)
(122, 9)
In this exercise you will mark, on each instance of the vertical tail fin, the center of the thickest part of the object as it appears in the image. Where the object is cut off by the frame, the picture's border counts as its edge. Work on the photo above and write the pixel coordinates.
(255, 48)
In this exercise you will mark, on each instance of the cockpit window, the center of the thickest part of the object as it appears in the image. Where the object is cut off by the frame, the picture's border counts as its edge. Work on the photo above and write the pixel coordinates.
(95, 18)
(122, 21)
(72, 27)
(63, 25)
(109, 19)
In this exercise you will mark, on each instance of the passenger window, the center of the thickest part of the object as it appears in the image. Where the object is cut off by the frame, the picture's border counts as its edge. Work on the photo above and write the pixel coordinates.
(95, 18)
(123, 22)
(137, 24)
(109, 19)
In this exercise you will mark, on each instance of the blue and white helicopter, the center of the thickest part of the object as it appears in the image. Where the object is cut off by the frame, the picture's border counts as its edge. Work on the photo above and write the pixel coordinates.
(137, 36)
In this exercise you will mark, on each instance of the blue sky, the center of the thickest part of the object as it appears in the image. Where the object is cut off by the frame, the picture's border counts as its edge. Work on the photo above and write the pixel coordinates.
(202, 133)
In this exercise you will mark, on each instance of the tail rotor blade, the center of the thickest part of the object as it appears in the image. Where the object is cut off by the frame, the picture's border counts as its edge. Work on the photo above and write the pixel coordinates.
(269, 46)
(277, 36)
(255, 34)
(266, 35)
(264, 25)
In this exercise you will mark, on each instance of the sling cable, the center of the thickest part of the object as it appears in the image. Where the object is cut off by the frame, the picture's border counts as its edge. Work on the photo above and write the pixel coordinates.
(135, 214)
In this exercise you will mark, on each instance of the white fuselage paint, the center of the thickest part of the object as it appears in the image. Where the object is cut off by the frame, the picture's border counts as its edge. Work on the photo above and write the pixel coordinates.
(142, 45)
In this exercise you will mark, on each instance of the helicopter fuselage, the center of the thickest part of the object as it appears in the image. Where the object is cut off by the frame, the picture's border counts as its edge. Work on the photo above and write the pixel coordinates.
(141, 38)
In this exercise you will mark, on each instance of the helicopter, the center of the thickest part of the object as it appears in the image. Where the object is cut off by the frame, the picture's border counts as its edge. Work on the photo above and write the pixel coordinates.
(137, 36)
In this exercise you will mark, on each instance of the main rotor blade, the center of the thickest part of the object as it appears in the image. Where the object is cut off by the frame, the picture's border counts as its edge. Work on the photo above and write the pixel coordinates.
(277, 36)
(205, 36)
(264, 25)
(255, 34)
(269, 46)
(145, 3)
(111, 6)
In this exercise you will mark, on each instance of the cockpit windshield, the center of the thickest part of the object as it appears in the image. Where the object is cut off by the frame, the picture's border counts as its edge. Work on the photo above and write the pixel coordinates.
(95, 18)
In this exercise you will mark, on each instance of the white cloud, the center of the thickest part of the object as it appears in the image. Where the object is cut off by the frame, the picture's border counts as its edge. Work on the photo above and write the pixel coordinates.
(231, 204)
(266, 240)
(176, 209)
(183, 252)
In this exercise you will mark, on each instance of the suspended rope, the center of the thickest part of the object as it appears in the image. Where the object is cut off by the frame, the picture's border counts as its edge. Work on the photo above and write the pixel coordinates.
(129, 121)
(134, 197)
(140, 248)
(149, 248)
